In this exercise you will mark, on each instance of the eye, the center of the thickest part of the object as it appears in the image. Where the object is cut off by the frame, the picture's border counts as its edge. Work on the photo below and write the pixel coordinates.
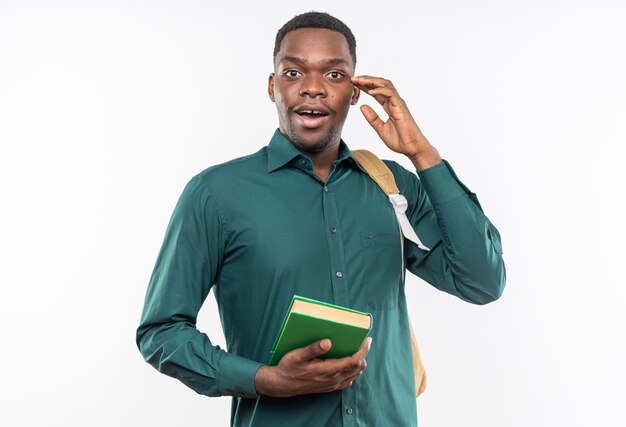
(291, 73)
(334, 75)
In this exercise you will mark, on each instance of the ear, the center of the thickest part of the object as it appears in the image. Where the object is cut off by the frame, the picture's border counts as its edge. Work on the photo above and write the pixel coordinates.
(355, 95)
(270, 87)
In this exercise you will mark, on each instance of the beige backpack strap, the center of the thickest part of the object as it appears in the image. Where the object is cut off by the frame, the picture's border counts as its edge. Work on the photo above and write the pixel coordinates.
(377, 170)
(381, 174)
(419, 372)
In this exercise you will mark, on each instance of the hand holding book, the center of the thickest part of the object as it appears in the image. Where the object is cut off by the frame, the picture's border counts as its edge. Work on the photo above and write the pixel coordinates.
(301, 371)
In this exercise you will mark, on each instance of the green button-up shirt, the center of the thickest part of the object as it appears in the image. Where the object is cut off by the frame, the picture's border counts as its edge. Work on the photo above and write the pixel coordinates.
(261, 228)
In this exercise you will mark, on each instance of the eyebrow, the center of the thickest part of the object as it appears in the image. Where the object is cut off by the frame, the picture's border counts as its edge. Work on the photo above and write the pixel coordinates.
(336, 61)
(293, 59)
(297, 60)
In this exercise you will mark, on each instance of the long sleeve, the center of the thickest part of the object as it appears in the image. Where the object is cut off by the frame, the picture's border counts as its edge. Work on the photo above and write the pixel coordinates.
(466, 253)
(187, 266)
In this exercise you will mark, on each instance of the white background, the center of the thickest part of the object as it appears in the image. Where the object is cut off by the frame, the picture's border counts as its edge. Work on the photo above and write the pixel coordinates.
(108, 108)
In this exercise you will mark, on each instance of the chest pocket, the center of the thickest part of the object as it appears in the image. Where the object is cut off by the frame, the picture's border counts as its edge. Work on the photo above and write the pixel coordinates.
(383, 268)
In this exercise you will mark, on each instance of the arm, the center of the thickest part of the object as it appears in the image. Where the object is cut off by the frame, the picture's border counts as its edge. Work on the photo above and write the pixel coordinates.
(466, 255)
(186, 268)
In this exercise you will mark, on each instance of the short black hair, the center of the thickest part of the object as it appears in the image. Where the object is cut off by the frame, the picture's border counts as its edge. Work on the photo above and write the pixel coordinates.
(316, 20)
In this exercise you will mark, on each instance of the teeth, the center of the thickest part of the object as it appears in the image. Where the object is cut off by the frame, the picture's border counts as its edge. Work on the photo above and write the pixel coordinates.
(310, 112)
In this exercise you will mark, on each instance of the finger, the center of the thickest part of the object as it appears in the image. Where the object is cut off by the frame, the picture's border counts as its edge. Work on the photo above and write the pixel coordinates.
(381, 89)
(337, 370)
(387, 97)
(352, 365)
(349, 381)
(380, 97)
(385, 92)
(372, 81)
(372, 118)
(355, 376)
(361, 354)
(364, 349)
(345, 366)
(314, 350)
(353, 368)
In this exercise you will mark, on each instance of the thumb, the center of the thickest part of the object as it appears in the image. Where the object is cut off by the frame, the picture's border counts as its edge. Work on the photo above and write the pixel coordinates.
(372, 118)
(318, 348)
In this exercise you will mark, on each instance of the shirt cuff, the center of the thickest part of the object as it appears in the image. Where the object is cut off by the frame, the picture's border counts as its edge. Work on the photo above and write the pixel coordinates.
(441, 183)
(237, 376)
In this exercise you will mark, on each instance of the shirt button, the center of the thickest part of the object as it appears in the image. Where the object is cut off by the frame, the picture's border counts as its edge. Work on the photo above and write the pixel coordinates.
(349, 410)
(303, 161)
(333, 230)
(325, 189)
(339, 274)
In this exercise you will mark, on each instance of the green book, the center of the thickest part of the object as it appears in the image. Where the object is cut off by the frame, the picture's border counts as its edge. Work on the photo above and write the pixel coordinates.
(308, 320)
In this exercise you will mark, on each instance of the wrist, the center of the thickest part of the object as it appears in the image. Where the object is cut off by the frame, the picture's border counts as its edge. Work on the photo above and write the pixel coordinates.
(425, 159)
(263, 382)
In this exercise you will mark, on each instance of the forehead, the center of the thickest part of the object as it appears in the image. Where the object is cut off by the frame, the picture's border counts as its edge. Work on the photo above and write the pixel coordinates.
(314, 44)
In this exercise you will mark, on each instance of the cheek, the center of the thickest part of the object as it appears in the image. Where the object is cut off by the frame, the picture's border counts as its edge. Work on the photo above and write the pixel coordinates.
(281, 98)
(281, 104)
(344, 94)
(282, 108)
(344, 99)
(278, 99)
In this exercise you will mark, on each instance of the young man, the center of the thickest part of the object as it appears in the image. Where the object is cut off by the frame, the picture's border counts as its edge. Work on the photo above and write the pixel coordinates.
(300, 216)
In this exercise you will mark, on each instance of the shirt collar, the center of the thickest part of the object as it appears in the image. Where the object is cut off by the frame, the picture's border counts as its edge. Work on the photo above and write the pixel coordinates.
(281, 151)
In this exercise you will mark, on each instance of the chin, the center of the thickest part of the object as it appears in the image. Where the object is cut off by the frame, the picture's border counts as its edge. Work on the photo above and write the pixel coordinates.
(313, 145)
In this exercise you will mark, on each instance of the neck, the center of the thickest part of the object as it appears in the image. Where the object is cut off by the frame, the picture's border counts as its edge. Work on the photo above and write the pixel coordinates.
(323, 160)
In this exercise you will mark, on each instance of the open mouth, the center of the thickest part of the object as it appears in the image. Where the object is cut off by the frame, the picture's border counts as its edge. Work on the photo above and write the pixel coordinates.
(311, 114)
(311, 117)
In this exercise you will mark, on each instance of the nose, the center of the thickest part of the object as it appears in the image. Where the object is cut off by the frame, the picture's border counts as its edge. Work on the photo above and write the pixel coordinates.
(313, 86)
